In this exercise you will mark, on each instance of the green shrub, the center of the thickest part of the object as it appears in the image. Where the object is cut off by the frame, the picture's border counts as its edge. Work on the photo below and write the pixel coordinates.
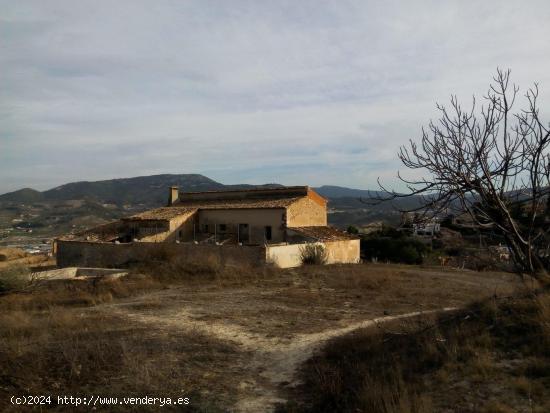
(410, 255)
(352, 230)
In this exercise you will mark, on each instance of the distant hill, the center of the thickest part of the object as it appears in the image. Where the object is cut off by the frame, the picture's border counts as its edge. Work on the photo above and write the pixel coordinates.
(51, 211)
(349, 198)
(331, 191)
(25, 195)
(141, 190)
(153, 190)
(149, 190)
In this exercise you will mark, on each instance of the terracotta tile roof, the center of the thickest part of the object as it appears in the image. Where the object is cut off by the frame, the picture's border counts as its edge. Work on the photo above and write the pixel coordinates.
(237, 203)
(161, 214)
(280, 197)
(323, 233)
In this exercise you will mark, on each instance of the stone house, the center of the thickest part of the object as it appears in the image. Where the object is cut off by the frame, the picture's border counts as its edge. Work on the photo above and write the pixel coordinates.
(269, 219)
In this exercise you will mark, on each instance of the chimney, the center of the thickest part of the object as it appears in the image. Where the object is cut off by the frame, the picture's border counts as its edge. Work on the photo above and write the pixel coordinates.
(173, 195)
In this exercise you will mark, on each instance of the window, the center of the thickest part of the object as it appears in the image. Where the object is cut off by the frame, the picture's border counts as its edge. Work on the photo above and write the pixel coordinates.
(205, 227)
(223, 227)
(267, 233)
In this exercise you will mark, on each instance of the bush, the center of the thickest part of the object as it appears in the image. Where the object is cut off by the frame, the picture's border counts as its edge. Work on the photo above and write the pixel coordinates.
(410, 255)
(402, 250)
(13, 278)
(313, 254)
(455, 251)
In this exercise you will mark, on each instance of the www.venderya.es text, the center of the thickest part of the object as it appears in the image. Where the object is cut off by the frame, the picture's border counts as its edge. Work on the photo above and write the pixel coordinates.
(94, 400)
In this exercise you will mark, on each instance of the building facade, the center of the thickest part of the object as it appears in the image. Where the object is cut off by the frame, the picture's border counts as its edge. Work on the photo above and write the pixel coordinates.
(253, 218)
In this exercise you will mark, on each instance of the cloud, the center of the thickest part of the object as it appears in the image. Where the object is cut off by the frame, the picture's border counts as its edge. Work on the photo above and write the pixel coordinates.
(244, 91)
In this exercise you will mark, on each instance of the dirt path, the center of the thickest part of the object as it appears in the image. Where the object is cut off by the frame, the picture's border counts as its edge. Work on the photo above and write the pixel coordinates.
(272, 361)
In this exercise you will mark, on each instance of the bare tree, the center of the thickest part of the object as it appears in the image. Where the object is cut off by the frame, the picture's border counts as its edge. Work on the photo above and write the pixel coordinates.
(489, 163)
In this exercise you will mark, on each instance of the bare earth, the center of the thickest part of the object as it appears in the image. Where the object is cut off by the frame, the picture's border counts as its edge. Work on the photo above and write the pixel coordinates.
(273, 325)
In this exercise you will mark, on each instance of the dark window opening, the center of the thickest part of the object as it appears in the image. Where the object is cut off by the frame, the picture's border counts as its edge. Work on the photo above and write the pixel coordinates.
(205, 227)
(243, 234)
(223, 228)
(125, 238)
(267, 233)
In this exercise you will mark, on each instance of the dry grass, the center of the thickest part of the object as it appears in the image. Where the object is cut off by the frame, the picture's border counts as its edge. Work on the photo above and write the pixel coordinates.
(82, 293)
(66, 351)
(37, 260)
(8, 254)
(15, 277)
(352, 277)
(313, 298)
(500, 349)
(206, 270)
(57, 340)
(54, 342)
(494, 406)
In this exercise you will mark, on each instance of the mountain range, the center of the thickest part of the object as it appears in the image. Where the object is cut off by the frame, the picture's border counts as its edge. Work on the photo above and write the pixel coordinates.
(151, 190)
(141, 190)
(80, 205)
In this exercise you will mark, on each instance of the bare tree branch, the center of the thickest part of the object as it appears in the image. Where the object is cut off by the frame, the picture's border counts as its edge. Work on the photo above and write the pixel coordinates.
(491, 163)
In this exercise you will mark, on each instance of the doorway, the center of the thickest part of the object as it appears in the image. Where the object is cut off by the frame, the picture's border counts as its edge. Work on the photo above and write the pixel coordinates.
(243, 234)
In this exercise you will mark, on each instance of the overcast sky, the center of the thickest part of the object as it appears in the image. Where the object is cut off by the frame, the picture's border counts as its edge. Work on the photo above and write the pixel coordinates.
(294, 92)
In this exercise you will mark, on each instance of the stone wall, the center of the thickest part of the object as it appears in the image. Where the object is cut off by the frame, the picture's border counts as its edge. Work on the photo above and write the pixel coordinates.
(109, 255)
(306, 212)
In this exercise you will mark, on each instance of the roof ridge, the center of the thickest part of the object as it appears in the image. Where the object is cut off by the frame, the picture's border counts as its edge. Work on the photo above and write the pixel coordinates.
(222, 191)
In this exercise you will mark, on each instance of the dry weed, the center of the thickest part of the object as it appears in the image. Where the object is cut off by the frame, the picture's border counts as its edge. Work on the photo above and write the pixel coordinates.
(406, 367)
(77, 293)
(494, 406)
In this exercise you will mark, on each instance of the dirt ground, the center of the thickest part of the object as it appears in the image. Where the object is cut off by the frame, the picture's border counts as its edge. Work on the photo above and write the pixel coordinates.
(273, 324)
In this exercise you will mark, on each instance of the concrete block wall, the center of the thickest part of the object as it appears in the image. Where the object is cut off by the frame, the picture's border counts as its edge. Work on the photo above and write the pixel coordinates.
(109, 255)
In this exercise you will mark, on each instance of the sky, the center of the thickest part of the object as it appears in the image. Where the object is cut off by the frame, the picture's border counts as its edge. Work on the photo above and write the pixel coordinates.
(292, 92)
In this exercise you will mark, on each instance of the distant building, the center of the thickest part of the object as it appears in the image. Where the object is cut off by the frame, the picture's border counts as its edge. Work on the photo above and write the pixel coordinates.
(420, 225)
(268, 218)
(431, 227)
(371, 227)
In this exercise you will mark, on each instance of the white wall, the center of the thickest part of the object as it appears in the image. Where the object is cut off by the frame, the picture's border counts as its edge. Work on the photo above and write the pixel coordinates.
(339, 252)
(284, 256)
